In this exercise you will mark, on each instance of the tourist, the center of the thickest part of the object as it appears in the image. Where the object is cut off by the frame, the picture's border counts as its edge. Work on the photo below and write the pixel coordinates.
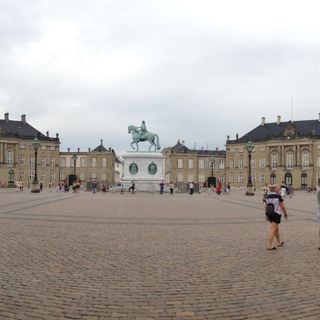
(265, 191)
(161, 187)
(171, 186)
(318, 210)
(132, 187)
(274, 218)
(191, 187)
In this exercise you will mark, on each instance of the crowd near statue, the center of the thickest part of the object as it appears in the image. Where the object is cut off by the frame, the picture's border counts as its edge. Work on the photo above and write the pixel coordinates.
(141, 134)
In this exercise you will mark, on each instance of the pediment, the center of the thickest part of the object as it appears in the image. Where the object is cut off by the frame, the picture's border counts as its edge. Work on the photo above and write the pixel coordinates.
(290, 130)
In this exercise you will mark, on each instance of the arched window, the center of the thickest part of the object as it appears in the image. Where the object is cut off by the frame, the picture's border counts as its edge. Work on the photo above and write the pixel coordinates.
(304, 180)
(289, 160)
(10, 157)
(305, 159)
(288, 179)
(273, 178)
(274, 160)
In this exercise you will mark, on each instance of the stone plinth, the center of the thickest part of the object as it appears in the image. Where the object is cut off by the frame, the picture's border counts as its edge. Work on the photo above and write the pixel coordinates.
(145, 168)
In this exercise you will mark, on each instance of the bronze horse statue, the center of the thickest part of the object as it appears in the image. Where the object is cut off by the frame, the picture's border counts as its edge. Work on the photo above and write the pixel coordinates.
(152, 138)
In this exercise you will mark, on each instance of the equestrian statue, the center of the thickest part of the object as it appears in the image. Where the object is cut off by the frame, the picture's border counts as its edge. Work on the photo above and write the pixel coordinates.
(141, 134)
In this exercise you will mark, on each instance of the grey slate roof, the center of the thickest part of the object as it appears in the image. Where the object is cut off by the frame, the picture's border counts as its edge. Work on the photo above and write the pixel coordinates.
(19, 129)
(270, 131)
(181, 148)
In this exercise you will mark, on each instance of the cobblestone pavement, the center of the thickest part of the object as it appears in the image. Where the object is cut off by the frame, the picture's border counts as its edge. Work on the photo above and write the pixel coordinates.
(145, 256)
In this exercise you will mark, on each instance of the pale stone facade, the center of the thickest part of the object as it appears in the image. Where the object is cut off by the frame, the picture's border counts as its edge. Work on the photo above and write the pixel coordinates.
(286, 152)
(17, 156)
(92, 165)
(202, 167)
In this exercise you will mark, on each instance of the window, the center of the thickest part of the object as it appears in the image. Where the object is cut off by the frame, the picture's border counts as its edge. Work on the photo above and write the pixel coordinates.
(273, 178)
(82, 176)
(21, 159)
(103, 176)
(201, 164)
(190, 177)
(83, 162)
(52, 161)
(93, 162)
(231, 177)
(318, 161)
(52, 148)
(289, 160)
(31, 161)
(261, 177)
(10, 157)
(31, 174)
(202, 178)
(62, 161)
(180, 163)
(253, 163)
(190, 163)
(52, 176)
(180, 177)
(42, 175)
(43, 161)
(274, 160)
(262, 163)
(22, 175)
(22, 146)
(240, 163)
(93, 175)
(221, 164)
(231, 164)
(240, 177)
(240, 149)
(62, 175)
(104, 163)
(305, 159)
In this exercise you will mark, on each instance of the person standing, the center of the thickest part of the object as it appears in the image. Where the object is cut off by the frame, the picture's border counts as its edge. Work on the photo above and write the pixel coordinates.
(191, 187)
(132, 187)
(274, 218)
(318, 210)
(161, 187)
(171, 186)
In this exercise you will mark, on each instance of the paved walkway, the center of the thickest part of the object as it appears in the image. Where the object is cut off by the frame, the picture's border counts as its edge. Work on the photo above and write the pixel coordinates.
(145, 256)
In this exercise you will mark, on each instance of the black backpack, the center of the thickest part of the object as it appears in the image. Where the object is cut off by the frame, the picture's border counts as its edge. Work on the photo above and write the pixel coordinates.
(269, 208)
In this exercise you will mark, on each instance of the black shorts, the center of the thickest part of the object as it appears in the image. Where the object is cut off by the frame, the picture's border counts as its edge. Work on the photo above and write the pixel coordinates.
(274, 217)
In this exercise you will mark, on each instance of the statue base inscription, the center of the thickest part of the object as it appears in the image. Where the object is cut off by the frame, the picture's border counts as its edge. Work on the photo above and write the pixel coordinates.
(146, 169)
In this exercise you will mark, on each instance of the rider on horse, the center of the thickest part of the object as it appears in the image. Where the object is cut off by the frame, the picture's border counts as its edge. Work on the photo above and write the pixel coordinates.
(143, 130)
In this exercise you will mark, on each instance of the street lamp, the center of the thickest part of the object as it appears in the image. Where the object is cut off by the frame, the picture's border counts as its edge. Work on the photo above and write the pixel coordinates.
(74, 158)
(250, 191)
(35, 183)
(212, 167)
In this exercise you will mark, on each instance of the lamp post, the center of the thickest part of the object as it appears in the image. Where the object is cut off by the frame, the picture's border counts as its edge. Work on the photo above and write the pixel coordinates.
(35, 183)
(250, 191)
(74, 158)
(212, 167)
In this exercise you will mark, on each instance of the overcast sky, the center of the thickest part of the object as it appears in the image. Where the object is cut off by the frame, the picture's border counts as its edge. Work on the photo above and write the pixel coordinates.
(193, 70)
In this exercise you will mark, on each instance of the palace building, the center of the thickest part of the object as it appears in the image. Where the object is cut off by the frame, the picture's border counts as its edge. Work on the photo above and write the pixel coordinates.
(17, 156)
(284, 151)
(202, 167)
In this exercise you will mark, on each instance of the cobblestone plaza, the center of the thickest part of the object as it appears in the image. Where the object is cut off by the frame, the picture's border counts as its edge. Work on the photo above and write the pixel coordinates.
(145, 256)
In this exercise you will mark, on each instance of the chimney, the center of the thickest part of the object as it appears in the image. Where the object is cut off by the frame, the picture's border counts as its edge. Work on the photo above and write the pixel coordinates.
(57, 135)
(47, 134)
(237, 136)
(182, 142)
(263, 121)
(23, 119)
(217, 149)
(228, 138)
(6, 116)
(278, 119)
(78, 149)
(101, 142)
(68, 149)
(319, 117)
(89, 149)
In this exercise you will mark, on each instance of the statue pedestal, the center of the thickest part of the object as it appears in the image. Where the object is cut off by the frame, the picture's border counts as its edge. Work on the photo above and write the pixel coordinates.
(145, 168)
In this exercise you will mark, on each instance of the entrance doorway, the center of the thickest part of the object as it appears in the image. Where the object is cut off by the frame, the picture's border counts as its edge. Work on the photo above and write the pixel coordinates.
(212, 181)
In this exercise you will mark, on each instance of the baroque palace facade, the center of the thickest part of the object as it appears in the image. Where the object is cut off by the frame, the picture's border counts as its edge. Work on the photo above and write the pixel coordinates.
(286, 152)
(202, 167)
(17, 158)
